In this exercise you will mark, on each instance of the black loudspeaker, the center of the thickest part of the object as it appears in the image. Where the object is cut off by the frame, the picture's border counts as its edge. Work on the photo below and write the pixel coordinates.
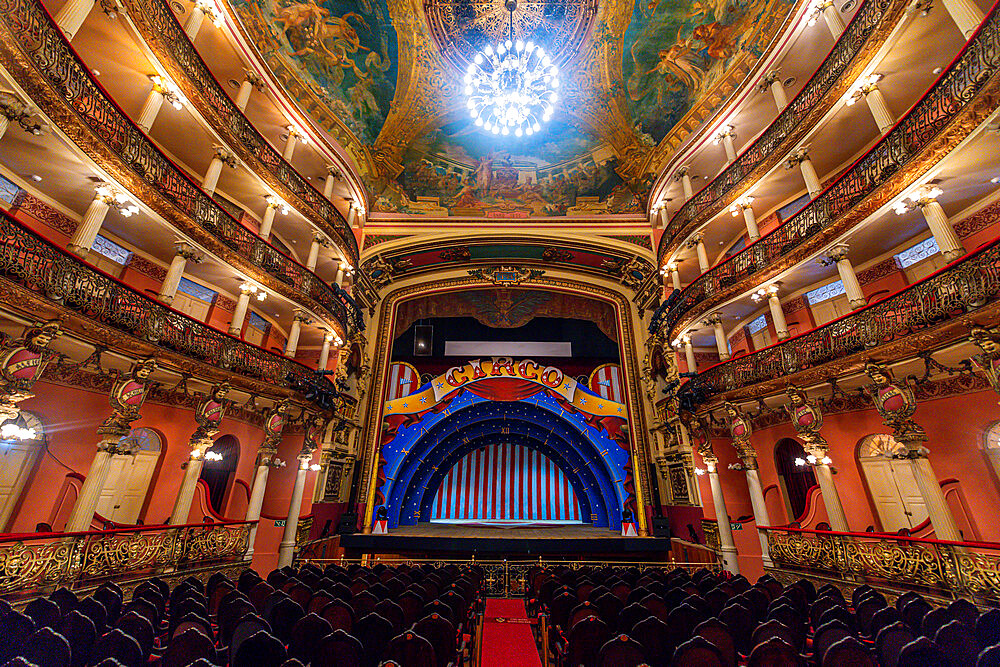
(661, 526)
(348, 524)
(423, 340)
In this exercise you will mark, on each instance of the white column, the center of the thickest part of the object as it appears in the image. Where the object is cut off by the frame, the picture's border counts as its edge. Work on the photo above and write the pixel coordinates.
(255, 503)
(838, 255)
(339, 278)
(937, 220)
(286, 550)
(90, 493)
(324, 352)
(675, 276)
(293, 334)
(332, 174)
(221, 157)
(85, 235)
(4, 124)
(242, 303)
(352, 215)
(940, 515)
(71, 16)
(150, 109)
(692, 364)
(683, 174)
(966, 15)
(194, 20)
(715, 321)
(772, 81)
(290, 142)
(880, 110)
(664, 217)
(273, 204)
(698, 241)
(318, 241)
(759, 512)
(189, 483)
(182, 253)
(726, 543)
(777, 315)
(828, 10)
(800, 158)
(831, 499)
(726, 136)
(251, 80)
(745, 205)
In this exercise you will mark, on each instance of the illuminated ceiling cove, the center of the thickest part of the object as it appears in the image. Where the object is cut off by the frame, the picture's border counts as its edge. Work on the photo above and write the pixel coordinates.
(384, 78)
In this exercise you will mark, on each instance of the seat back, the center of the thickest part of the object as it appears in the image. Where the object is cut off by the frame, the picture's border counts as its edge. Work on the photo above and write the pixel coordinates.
(848, 652)
(890, 642)
(621, 651)
(698, 652)
(186, 647)
(773, 652)
(410, 649)
(260, 650)
(339, 649)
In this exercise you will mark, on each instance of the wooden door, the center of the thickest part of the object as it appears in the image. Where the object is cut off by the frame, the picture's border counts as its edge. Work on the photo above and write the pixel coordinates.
(16, 461)
(125, 491)
(895, 493)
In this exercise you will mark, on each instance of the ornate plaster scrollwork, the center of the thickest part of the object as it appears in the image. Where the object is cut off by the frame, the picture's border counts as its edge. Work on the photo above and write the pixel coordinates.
(23, 361)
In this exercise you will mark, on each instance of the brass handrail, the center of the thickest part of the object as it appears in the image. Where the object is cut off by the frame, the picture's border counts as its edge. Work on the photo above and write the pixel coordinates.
(947, 113)
(36, 53)
(42, 267)
(823, 90)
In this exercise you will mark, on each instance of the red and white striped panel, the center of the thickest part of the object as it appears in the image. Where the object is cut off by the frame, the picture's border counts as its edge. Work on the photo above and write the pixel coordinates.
(403, 380)
(505, 483)
(606, 380)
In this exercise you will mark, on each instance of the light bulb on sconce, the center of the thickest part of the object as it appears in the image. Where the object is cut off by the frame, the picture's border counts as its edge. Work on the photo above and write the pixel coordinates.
(315, 467)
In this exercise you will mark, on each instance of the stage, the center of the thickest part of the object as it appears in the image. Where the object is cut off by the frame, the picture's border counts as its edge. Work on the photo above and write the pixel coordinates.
(574, 541)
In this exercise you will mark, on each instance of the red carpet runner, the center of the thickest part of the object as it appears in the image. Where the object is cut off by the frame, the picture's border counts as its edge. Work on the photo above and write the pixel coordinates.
(507, 638)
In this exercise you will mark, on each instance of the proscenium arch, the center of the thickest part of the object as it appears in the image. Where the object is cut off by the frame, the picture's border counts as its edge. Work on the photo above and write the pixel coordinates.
(576, 454)
(429, 491)
(457, 279)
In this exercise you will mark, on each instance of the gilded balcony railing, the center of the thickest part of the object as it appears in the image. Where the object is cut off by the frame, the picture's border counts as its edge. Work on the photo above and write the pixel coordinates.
(31, 40)
(963, 287)
(948, 113)
(823, 90)
(968, 569)
(162, 32)
(35, 560)
(29, 260)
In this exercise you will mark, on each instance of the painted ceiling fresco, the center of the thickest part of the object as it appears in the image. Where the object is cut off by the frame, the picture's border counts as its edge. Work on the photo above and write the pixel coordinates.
(638, 78)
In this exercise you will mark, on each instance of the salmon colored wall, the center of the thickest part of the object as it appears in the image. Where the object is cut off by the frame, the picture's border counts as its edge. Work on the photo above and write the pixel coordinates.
(141, 282)
(984, 235)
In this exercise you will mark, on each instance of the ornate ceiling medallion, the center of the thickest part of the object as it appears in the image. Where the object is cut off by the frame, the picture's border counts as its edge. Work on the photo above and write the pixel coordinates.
(463, 28)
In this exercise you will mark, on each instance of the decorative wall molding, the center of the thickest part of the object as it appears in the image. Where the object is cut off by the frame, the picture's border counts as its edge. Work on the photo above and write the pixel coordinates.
(39, 210)
(147, 267)
(978, 221)
(886, 267)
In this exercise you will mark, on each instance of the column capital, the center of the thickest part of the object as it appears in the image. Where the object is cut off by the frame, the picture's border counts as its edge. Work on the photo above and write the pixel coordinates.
(320, 238)
(188, 252)
(333, 170)
(695, 239)
(293, 131)
(682, 172)
(226, 156)
(727, 130)
(818, 7)
(741, 204)
(254, 79)
(838, 252)
(171, 93)
(769, 78)
(797, 157)
(713, 319)
(925, 195)
(276, 203)
(301, 316)
(17, 110)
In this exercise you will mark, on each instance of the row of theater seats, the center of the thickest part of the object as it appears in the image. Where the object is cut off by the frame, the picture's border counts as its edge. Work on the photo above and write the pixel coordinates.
(623, 618)
(345, 617)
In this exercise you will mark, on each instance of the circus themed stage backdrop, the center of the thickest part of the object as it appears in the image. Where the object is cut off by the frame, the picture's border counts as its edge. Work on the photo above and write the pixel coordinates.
(539, 424)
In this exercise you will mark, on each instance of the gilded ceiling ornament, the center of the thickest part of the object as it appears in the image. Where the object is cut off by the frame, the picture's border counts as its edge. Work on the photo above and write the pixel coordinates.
(506, 276)
(128, 393)
(23, 361)
(988, 361)
(896, 403)
(807, 420)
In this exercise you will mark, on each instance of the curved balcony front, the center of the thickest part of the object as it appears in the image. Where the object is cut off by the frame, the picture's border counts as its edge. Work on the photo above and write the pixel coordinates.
(962, 98)
(66, 285)
(159, 27)
(854, 50)
(43, 63)
(934, 311)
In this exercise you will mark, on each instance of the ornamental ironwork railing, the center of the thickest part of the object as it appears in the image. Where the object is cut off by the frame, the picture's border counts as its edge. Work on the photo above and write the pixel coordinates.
(967, 569)
(31, 30)
(41, 560)
(964, 286)
(956, 89)
(159, 26)
(32, 262)
(788, 128)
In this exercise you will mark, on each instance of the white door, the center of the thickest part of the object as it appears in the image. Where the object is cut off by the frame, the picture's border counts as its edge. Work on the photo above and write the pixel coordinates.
(761, 339)
(830, 309)
(16, 461)
(191, 306)
(125, 491)
(895, 494)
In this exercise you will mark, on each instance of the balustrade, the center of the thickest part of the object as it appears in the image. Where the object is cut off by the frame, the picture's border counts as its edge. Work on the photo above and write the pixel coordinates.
(36, 264)
(31, 35)
(899, 153)
(31, 561)
(967, 569)
(791, 125)
(956, 290)
(162, 32)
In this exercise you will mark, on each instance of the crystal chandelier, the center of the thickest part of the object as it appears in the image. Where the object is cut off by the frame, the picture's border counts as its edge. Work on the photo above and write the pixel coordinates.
(511, 88)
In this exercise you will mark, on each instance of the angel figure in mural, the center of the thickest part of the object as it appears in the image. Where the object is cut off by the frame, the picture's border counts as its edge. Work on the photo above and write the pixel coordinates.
(361, 92)
(300, 14)
(678, 67)
(484, 172)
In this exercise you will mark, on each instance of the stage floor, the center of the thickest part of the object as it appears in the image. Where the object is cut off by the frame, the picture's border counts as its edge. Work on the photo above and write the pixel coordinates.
(463, 540)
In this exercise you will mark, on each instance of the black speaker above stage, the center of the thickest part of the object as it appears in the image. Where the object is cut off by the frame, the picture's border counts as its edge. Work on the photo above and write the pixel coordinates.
(661, 526)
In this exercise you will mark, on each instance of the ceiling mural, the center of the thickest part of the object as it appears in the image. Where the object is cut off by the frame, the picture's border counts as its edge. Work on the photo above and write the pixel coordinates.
(343, 51)
(637, 77)
(675, 52)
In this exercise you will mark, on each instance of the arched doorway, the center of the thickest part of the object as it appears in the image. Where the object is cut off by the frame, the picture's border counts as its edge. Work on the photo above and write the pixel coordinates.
(218, 472)
(794, 480)
(124, 493)
(17, 459)
(890, 482)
